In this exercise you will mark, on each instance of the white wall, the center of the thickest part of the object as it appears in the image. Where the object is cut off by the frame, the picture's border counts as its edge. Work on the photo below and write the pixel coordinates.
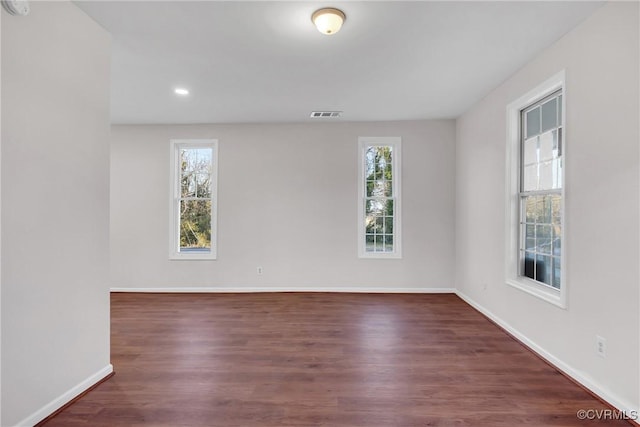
(601, 59)
(288, 203)
(55, 207)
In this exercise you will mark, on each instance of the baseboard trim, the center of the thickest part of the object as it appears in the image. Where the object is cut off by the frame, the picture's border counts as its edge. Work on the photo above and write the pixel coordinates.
(578, 377)
(53, 407)
(257, 289)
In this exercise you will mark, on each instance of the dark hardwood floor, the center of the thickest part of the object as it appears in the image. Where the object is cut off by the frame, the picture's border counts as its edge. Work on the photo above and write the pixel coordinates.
(316, 359)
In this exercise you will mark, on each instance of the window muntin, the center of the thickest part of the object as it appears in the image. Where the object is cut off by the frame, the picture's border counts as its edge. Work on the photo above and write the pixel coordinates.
(541, 182)
(379, 203)
(194, 167)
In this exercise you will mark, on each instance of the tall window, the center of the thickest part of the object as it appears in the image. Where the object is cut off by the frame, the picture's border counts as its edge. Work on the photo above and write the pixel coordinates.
(379, 198)
(193, 199)
(536, 198)
(541, 191)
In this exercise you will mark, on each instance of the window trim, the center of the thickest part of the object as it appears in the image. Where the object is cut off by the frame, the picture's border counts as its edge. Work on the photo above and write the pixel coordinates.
(174, 188)
(512, 194)
(396, 143)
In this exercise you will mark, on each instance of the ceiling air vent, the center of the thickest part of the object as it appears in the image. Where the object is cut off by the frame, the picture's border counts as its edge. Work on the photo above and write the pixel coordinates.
(325, 114)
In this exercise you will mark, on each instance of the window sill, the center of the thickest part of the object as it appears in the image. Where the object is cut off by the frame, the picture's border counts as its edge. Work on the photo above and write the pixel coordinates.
(380, 255)
(546, 293)
(192, 257)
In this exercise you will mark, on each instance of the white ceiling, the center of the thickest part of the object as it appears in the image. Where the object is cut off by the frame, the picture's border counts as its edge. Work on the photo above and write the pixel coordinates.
(265, 62)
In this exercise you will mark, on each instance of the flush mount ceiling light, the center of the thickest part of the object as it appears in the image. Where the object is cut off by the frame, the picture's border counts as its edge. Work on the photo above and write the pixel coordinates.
(181, 91)
(16, 7)
(328, 20)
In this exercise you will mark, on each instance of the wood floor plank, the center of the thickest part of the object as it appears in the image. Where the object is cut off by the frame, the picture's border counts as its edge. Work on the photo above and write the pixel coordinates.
(320, 359)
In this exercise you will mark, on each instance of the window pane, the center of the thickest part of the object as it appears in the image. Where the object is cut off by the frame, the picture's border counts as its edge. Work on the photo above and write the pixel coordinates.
(556, 213)
(530, 209)
(378, 163)
(187, 160)
(557, 240)
(543, 245)
(530, 243)
(546, 176)
(373, 207)
(557, 173)
(533, 122)
(388, 225)
(187, 185)
(388, 243)
(560, 109)
(379, 225)
(549, 114)
(388, 188)
(531, 151)
(543, 239)
(381, 165)
(530, 238)
(370, 157)
(203, 185)
(195, 224)
(389, 207)
(530, 178)
(544, 209)
(546, 146)
(370, 224)
(195, 163)
(388, 173)
(529, 265)
(369, 186)
(557, 273)
(379, 243)
(379, 188)
(203, 160)
(530, 231)
(369, 243)
(543, 269)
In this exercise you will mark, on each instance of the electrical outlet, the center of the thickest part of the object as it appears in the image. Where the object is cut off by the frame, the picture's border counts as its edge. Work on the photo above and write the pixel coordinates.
(601, 346)
(259, 271)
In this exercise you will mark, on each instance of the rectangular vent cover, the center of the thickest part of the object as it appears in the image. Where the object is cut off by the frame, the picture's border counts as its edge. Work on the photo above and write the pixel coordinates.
(324, 114)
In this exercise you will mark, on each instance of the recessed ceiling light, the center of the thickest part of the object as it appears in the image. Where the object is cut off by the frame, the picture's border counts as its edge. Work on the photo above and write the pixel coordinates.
(181, 91)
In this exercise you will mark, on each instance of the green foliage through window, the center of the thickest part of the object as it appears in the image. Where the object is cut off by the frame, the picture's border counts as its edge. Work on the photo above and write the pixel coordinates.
(379, 203)
(195, 198)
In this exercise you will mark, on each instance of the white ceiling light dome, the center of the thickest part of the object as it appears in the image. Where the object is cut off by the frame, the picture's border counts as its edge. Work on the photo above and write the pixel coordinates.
(328, 20)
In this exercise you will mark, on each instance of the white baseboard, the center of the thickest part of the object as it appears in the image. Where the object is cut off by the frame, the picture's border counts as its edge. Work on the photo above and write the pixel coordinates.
(598, 389)
(65, 398)
(243, 289)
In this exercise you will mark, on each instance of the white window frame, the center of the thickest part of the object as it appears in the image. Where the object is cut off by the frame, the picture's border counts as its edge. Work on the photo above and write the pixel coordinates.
(174, 225)
(363, 143)
(513, 277)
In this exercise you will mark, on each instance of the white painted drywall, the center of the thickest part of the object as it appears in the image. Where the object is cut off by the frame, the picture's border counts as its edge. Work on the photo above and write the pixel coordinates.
(55, 206)
(287, 203)
(601, 59)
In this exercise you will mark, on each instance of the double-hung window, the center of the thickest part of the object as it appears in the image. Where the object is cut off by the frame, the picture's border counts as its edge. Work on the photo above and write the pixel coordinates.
(536, 192)
(193, 209)
(379, 225)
